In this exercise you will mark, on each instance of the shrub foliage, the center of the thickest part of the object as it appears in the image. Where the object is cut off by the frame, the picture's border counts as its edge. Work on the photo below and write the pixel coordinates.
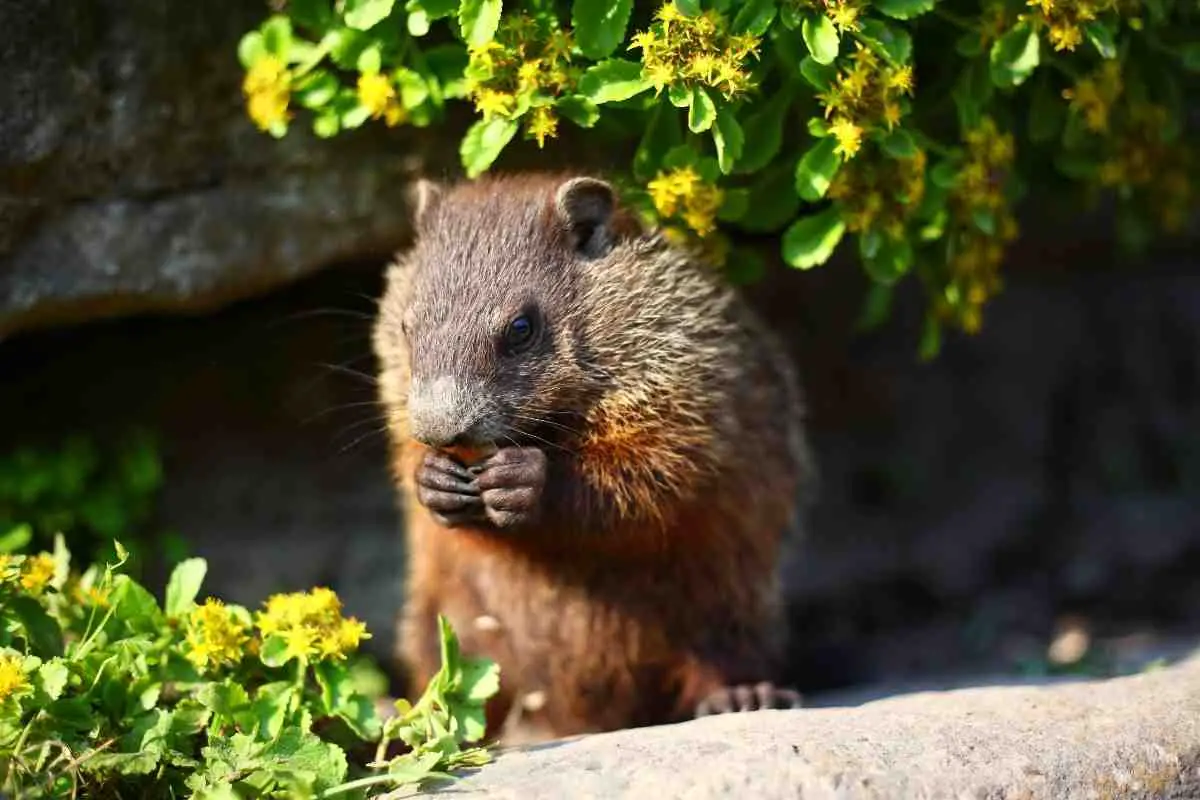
(906, 129)
(106, 693)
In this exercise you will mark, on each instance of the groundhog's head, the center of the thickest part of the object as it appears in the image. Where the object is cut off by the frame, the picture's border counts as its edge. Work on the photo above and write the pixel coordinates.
(479, 333)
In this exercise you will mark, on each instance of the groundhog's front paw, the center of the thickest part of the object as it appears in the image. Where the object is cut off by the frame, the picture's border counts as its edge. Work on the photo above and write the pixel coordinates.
(449, 491)
(511, 484)
(748, 698)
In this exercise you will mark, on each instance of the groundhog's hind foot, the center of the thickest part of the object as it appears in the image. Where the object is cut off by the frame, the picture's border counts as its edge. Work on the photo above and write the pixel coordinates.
(760, 696)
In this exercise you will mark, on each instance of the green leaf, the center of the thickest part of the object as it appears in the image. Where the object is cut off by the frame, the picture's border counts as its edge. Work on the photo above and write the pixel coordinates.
(728, 138)
(772, 201)
(274, 651)
(483, 143)
(1189, 54)
(876, 307)
(754, 17)
(1101, 38)
(365, 14)
(702, 112)
(599, 27)
(971, 93)
(734, 205)
(313, 14)
(984, 220)
(816, 170)
(41, 631)
(811, 240)
(819, 76)
(1014, 56)
(969, 45)
(661, 135)
(327, 125)
(1046, 112)
(481, 680)
(277, 35)
(134, 606)
(763, 133)
(903, 9)
(931, 338)
(579, 109)
(370, 59)
(892, 40)
(478, 20)
(184, 585)
(612, 81)
(944, 174)
(15, 538)
(318, 88)
(418, 23)
(821, 37)
(891, 260)
(689, 8)
(52, 678)
(899, 144)
(251, 48)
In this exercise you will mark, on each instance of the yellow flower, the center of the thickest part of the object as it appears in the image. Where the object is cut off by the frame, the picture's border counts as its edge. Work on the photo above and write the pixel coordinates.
(311, 624)
(701, 207)
(12, 678)
(901, 78)
(1065, 37)
(215, 637)
(543, 124)
(36, 572)
(848, 135)
(375, 92)
(490, 103)
(267, 88)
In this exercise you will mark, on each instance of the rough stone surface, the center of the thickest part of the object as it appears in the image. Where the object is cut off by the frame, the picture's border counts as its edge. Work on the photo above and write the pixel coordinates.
(131, 179)
(1135, 738)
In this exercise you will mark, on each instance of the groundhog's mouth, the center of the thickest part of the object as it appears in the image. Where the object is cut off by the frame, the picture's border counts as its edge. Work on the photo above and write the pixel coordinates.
(469, 455)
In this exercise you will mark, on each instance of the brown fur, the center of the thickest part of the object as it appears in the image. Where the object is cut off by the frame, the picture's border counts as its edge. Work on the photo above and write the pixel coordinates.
(675, 462)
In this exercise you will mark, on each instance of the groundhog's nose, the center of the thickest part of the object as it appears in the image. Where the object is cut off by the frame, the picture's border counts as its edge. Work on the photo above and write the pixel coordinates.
(441, 413)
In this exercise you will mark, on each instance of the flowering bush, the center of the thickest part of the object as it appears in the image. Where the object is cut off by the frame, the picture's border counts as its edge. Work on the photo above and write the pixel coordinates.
(105, 693)
(905, 126)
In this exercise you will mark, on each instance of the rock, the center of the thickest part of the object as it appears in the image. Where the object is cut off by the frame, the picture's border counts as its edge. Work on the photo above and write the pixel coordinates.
(131, 179)
(1135, 738)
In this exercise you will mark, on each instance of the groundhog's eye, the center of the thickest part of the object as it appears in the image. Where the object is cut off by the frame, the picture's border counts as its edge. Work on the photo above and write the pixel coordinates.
(519, 333)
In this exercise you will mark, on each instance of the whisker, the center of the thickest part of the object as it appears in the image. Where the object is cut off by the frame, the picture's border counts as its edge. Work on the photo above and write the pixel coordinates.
(340, 407)
(369, 434)
(534, 436)
(354, 373)
(541, 421)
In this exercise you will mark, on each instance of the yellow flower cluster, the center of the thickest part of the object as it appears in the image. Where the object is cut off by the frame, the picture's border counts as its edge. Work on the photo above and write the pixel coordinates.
(866, 94)
(1140, 158)
(880, 193)
(1093, 95)
(682, 191)
(844, 14)
(37, 572)
(267, 88)
(215, 636)
(1064, 20)
(976, 256)
(311, 624)
(13, 680)
(377, 94)
(530, 57)
(678, 50)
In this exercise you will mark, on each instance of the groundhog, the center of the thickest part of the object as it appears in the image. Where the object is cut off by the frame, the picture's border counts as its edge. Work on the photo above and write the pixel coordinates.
(599, 450)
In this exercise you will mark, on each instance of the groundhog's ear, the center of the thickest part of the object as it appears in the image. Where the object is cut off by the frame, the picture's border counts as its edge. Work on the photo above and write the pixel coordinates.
(586, 205)
(423, 196)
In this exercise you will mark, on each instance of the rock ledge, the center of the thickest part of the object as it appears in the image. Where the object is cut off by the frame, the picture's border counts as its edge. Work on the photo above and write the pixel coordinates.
(1132, 737)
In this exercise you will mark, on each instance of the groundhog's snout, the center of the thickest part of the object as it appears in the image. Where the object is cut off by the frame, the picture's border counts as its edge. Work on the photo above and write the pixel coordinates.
(446, 413)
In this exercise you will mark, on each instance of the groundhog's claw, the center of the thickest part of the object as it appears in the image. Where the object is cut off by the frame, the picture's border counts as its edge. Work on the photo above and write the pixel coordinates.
(448, 490)
(764, 695)
(511, 483)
